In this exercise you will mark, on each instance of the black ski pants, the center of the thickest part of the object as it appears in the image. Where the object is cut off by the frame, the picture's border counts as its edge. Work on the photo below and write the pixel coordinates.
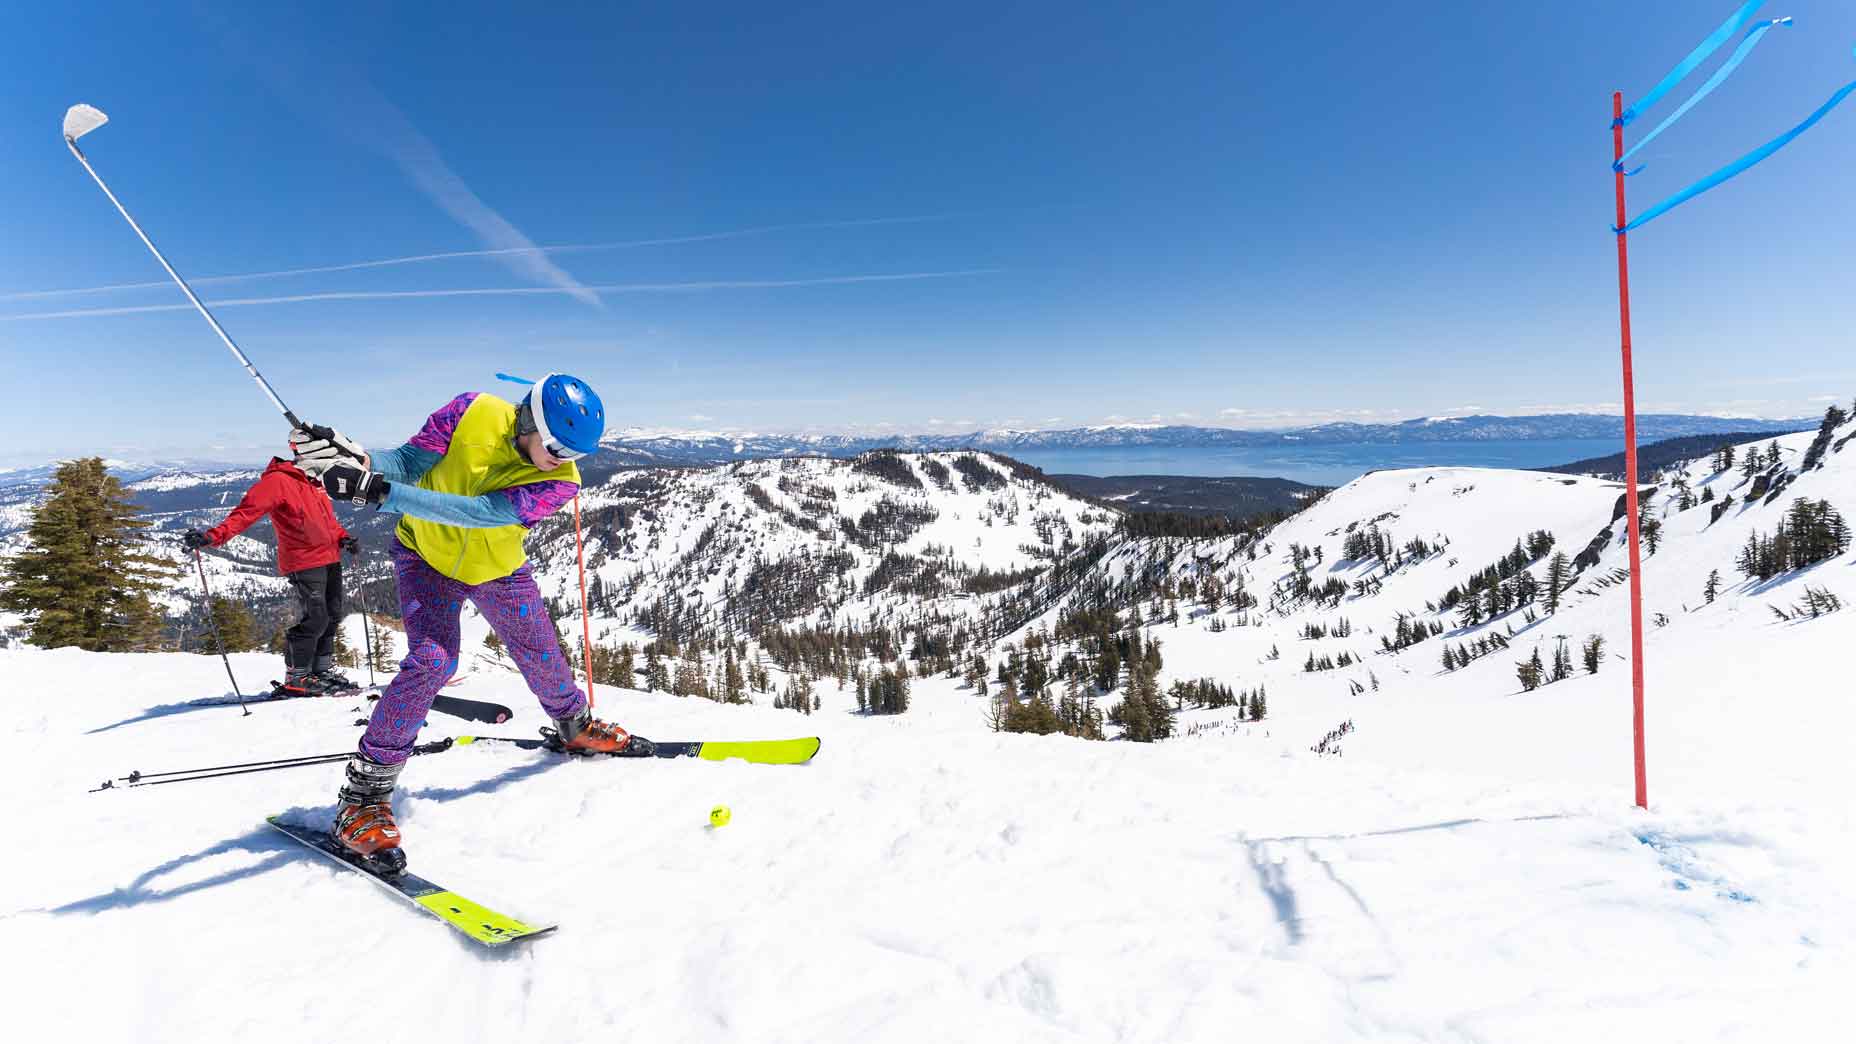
(319, 597)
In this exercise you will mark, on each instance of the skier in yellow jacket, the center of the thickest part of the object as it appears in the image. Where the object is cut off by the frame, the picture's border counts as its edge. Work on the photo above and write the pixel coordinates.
(468, 485)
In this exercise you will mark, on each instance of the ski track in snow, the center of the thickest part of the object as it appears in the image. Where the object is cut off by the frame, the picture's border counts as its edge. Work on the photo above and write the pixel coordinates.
(1470, 870)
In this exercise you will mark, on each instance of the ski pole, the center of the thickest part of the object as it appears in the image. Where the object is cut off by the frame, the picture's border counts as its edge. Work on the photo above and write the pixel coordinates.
(80, 120)
(367, 623)
(212, 617)
(149, 779)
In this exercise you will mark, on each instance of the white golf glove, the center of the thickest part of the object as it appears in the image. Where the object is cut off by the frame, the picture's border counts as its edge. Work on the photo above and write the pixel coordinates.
(320, 448)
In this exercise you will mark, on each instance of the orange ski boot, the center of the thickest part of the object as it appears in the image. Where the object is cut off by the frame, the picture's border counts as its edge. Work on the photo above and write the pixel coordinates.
(364, 814)
(585, 734)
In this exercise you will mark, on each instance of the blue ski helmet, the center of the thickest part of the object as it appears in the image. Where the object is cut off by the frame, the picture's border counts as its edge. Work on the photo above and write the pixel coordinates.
(567, 414)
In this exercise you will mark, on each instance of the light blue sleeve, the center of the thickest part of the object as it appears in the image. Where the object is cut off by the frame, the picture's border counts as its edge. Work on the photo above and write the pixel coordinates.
(408, 464)
(485, 512)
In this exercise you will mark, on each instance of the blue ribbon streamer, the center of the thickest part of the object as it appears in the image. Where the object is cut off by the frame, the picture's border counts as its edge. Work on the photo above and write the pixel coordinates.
(1753, 36)
(1695, 58)
(513, 380)
(1738, 165)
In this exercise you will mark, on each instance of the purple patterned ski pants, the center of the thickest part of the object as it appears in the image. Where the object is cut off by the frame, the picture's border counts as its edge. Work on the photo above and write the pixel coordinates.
(430, 603)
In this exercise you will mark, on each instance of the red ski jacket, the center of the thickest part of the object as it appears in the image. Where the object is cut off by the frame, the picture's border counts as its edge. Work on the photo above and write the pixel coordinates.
(307, 532)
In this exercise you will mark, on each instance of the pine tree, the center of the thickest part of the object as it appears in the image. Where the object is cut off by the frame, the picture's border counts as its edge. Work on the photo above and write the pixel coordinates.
(1131, 715)
(1562, 662)
(689, 679)
(1594, 653)
(83, 579)
(734, 688)
(1559, 575)
(343, 650)
(1649, 527)
(798, 695)
(384, 659)
(235, 626)
(494, 644)
(626, 672)
(656, 675)
(1531, 671)
(1712, 587)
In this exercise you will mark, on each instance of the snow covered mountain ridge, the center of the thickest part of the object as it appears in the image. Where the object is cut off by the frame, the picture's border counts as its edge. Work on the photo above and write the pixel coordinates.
(960, 550)
(893, 537)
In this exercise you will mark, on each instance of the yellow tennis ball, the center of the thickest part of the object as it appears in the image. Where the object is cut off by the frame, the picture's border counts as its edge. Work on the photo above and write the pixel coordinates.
(719, 816)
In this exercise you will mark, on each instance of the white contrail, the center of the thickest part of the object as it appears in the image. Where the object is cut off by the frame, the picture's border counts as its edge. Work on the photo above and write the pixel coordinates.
(508, 291)
(419, 160)
(414, 259)
(330, 90)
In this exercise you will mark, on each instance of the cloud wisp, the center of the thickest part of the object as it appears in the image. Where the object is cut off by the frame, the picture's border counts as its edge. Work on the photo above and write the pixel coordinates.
(507, 291)
(419, 160)
(452, 255)
(338, 95)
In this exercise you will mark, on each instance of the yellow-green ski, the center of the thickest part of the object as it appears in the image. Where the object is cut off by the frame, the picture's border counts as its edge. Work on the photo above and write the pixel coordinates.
(761, 752)
(479, 923)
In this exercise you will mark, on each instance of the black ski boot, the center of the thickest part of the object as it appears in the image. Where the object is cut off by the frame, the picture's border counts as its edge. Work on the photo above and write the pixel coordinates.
(305, 683)
(335, 681)
(295, 683)
(364, 814)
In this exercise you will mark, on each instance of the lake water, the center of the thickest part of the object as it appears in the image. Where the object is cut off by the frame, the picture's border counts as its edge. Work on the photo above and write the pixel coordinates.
(1320, 464)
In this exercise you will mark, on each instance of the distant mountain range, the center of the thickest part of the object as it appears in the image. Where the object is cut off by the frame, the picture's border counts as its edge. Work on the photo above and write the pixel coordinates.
(641, 447)
(647, 447)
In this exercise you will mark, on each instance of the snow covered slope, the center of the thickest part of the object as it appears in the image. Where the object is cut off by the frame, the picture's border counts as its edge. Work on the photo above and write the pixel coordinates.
(924, 880)
(1713, 667)
(1462, 863)
(812, 540)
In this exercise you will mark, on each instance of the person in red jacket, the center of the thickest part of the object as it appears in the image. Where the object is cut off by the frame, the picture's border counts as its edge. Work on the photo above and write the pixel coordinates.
(310, 543)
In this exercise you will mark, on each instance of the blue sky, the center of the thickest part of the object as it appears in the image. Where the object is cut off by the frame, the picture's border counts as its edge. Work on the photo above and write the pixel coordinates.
(1206, 213)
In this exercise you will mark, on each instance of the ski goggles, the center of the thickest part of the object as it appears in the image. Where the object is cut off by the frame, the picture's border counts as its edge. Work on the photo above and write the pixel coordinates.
(538, 416)
(558, 451)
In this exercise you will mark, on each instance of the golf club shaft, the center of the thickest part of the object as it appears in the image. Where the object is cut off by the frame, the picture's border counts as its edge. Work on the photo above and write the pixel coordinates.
(188, 290)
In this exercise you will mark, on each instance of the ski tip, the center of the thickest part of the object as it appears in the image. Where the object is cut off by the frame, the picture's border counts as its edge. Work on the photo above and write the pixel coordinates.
(796, 751)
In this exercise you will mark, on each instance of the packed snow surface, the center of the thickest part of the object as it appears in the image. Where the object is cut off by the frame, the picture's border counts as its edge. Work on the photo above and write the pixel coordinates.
(926, 880)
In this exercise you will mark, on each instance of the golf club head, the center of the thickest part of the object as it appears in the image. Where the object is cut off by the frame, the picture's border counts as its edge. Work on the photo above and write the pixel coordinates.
(81, 119)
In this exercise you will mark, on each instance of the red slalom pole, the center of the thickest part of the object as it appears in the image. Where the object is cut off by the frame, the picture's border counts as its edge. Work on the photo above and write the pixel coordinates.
(1630, 457)
(586, 619)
